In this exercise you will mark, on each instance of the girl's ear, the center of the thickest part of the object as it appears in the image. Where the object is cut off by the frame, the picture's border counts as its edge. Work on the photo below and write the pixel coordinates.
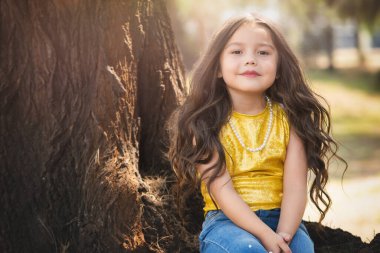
(219, 74)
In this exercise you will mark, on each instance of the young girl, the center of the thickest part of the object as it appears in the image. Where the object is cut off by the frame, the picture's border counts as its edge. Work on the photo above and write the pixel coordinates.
(248, 132)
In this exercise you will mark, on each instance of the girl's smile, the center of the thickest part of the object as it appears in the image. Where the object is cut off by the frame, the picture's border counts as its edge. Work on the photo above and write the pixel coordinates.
(250, 73)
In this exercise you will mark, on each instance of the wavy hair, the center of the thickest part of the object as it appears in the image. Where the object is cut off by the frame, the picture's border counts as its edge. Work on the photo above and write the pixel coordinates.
(194, 127)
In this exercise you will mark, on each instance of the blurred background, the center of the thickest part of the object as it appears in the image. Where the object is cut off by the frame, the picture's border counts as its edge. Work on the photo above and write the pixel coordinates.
(338, 44)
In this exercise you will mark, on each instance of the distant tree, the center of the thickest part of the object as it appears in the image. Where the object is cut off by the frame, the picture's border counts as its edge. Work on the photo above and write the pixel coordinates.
(365, 13)
(310, 14)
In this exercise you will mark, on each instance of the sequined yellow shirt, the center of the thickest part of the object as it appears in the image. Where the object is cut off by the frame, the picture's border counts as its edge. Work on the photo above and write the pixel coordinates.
(258, 176)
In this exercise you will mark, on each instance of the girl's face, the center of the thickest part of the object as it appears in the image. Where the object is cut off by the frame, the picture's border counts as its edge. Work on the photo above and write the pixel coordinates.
(248, 62)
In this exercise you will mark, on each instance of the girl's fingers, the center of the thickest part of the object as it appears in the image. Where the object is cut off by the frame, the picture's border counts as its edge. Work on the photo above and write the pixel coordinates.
(285, 248)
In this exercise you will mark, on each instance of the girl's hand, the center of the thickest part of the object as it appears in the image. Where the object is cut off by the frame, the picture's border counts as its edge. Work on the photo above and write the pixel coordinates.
(275, 243)
(286, 236)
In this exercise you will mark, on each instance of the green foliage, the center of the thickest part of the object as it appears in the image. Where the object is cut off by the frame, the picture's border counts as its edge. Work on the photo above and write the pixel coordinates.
(365, 12)
(353, 79)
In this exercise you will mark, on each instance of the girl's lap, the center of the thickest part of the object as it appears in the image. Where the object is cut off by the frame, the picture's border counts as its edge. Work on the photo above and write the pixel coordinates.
(220, 235)
(216, 237)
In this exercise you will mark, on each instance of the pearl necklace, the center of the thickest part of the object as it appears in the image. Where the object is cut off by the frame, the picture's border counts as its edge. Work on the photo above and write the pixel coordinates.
(240, 139)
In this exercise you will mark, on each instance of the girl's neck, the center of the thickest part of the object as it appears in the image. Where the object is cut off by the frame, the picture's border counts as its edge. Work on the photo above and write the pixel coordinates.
(249, 105)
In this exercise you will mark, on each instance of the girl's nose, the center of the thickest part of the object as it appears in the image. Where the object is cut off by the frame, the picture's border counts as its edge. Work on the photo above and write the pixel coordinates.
(250, 61)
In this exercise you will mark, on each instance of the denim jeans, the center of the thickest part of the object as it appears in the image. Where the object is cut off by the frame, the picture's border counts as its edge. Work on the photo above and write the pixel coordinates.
(219, 234)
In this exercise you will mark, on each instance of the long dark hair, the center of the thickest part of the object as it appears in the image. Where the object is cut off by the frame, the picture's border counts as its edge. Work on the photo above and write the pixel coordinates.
(194, 127)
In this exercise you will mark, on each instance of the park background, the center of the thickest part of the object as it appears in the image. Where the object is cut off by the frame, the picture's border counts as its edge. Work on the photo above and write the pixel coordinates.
(338, 44)
(87, 87)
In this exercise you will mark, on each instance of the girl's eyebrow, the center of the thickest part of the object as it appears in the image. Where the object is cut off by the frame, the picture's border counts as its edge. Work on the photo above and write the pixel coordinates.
(242, 44)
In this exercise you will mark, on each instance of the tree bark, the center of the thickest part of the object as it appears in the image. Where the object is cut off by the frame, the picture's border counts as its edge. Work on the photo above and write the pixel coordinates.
(85, 89)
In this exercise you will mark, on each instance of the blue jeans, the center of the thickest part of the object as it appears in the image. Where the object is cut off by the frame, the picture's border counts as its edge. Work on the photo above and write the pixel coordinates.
(219, 234)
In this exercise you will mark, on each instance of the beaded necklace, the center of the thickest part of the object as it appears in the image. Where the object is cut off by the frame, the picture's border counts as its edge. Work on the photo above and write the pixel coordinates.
(240, 139)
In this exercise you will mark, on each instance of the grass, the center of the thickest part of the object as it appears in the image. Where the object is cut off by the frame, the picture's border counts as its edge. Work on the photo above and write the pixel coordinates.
(354, 79)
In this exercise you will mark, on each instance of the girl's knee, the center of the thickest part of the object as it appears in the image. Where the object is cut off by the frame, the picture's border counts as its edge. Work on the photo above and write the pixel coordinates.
(249, 245)
(236, 245)
(208, 246)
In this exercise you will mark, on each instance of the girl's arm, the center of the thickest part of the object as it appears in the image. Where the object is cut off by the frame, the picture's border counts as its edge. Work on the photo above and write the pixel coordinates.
(295, 188)
(229, 201)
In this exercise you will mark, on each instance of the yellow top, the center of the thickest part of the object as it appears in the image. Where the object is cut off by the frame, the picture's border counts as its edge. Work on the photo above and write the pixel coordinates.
(257, 176)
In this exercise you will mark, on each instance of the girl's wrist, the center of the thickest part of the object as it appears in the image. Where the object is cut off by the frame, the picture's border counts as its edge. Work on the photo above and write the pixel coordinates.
(265, 233)
(286, 236)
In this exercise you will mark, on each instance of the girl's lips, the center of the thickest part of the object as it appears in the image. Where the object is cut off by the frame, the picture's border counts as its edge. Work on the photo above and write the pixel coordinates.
(250, 74)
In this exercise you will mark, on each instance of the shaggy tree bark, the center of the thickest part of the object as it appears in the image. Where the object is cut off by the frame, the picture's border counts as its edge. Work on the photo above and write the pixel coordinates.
(85, 89)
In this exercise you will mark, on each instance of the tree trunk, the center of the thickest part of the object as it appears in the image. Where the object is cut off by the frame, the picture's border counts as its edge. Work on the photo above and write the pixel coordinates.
(329, 36)
(359, 48)
(85, 89)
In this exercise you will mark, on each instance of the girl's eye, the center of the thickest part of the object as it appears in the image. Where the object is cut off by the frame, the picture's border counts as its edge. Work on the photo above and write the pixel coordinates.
(263, 52)
(236, 52)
